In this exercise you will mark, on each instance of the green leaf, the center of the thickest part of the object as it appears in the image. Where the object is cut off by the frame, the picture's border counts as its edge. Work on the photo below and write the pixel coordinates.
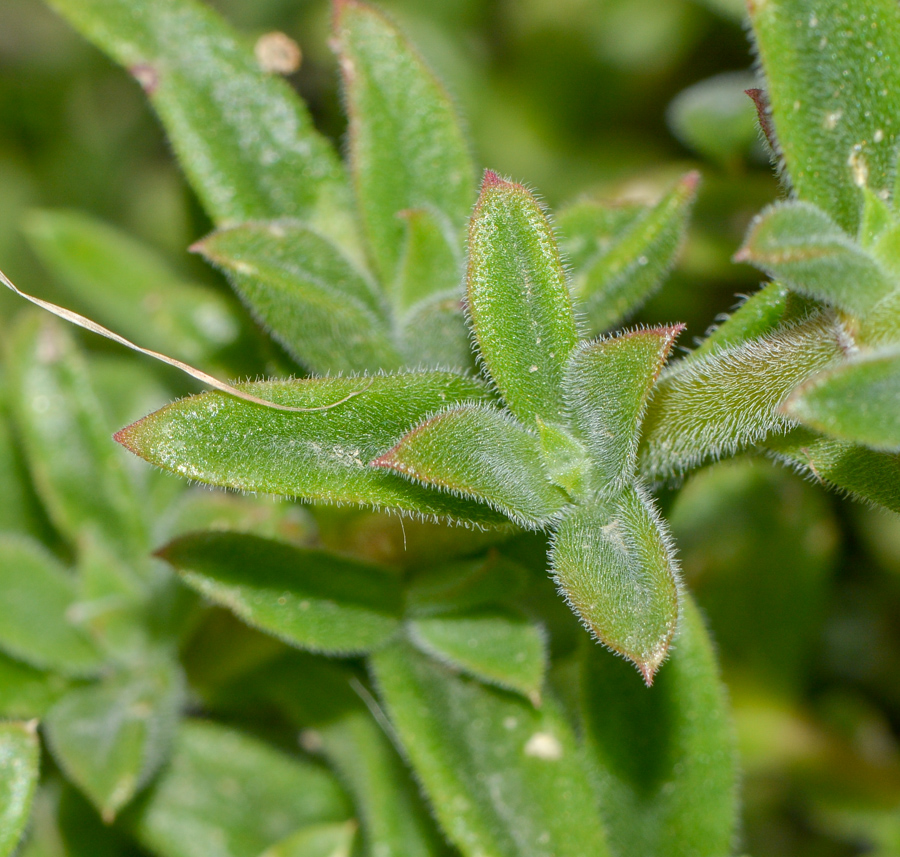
(833, 86)
(316, 840)
(665, 761)
(227, 794)
(308, 598)
(407, 149)
(613, 562)
(78, 473)
(758, 546)
(394, 818)
(864, 473)
(110, 738)
(858, 401)
(19, 507)
(19, 760)
(480, 453)
(607, 386)
(495, 645)
(323, 699)
(307, 293)
(503, 777)
(518, 300)
(773, 306)
(27, 692)
(464, 585)
(716, 119)
(621, 254)
(321, 455)
(729, 398)
(876, 219)
(434, 333)
(129, 287)
(801, 246)
(39, 604)
(245, 140)
(431, 264)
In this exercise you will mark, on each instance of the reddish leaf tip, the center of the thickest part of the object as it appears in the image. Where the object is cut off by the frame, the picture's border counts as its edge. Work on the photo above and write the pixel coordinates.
(388, 460)
(742, 255)
(198, 246)
(691, 180)
(146, 75)
(491, 179)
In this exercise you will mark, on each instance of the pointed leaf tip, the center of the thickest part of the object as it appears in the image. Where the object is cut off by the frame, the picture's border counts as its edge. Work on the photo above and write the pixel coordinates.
(492, 179)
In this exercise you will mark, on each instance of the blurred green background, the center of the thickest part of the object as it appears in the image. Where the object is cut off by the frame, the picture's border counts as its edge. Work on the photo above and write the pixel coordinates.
(608, 98)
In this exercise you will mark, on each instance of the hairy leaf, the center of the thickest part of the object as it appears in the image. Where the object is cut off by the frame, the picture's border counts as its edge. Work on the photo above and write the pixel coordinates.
(607, 385)
(19, 760)
(316, 840)
(833, 86)
(665, 761)
(773, 306)
(804, 248)
(503, 777)
(431, 264)
(322, 455)
(127, 285)
(407, 149)
(621, 254)
(37, 622)
(518, 300)
(307, 293)
(78, 474)
(613, 562)
(110, 738)
(231, 795)
(499, 646)
(864, 473)
(308, 598)
(434, 334)
(729, 398)
(858, 401)
(480, 453)
(245, 140)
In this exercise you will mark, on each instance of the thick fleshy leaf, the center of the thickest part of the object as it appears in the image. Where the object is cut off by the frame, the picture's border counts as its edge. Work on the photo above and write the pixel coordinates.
(833, 87)
(716, 119)
(245, 140)
(607, 385)
(773, 306)
(125, 284)
(304, 290)
(480, 453)
(758, 546)
(801, 246)
(324, 699)
(308, 598)
(407, 149)
(36, 622)
(227, 794)
(321, 455)
(857, 401)
(518, 300)
(316, 840)
(499, 646)
(730, 398)
(19, 760)
(78, 473)
(613, 561)
(434, 334)
(28, 692)
(110, 738)
(503, 777)
(665, 761)
(431, 263)
(621, 254)
(464, 585)
(862, 472)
